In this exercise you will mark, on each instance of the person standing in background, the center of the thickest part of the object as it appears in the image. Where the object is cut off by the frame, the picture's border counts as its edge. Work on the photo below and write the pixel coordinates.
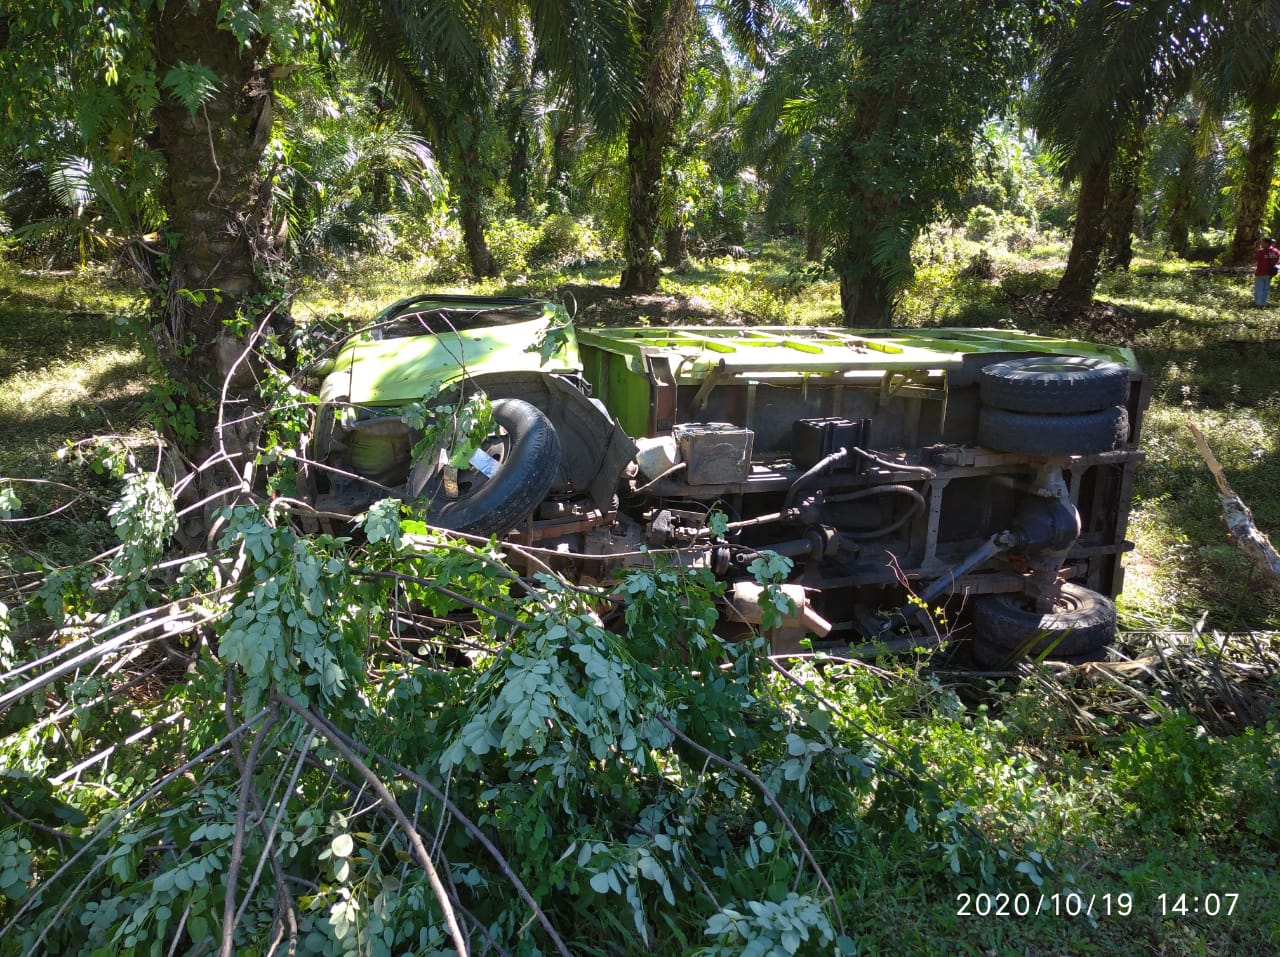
(1267, 265)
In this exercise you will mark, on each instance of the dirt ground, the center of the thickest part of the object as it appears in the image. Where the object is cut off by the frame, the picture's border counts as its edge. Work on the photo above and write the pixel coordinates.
(599, 305)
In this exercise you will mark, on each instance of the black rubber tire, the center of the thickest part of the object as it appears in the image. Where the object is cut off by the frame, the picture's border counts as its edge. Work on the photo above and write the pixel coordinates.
(1060, 385)
(528, 452)
(1084, 433)
(1082, 623)
(988, 657)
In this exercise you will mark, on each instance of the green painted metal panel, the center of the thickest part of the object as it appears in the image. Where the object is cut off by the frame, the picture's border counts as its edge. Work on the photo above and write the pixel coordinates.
(800, 352)
(401, 370)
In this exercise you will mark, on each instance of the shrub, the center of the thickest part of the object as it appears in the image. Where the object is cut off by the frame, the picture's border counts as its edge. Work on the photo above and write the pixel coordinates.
(981, 223)
(510, 241)
(563, 240)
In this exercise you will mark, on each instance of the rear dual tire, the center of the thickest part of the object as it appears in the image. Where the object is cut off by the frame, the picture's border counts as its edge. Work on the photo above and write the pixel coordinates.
(1024, 433)
(1054, 406)
(1008, 627)
(1054, 385)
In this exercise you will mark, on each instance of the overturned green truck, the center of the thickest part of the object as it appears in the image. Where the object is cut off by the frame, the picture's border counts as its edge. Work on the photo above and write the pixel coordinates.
(985, 473)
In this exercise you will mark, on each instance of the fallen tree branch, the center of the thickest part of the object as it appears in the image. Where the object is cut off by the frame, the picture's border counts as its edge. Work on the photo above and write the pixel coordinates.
(469, 825)
(1238, 518)
(772, 801)
(248, 766)
(389, 802)
(103, 830)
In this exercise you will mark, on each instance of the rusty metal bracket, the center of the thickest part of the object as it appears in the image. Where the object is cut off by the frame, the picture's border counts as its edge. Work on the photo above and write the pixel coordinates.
(714, 378)
(662, 403)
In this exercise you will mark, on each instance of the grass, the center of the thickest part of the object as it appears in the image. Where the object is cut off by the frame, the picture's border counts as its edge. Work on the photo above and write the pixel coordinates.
(70, 370)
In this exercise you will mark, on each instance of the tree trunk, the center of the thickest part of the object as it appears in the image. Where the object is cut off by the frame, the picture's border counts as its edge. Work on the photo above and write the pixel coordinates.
(520, 171)
(865, 302)
(676, 243)
(483, 265)
(517, 93)
(216, 202)
(1255, 178)
(1080, 278)
(1178, 227)
(562, 149)
(1181, 198)
(650, 133)
(1122, 203)
(813, 245)
(646, 140)
(214, 198)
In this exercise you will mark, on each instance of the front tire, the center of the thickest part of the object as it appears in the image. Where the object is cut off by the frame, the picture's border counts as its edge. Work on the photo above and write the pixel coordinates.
(526, 448)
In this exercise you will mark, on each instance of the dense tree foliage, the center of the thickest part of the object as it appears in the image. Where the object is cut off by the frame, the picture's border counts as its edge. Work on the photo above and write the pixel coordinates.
(865, 125)
(906, 90)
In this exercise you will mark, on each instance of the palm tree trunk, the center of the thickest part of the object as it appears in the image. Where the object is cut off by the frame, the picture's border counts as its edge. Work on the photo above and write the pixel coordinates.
(562, 145)
(1075, 289)
(483, 265)
(1181, 196)
(216, 202)
(1122, 203)
(813, 245)
(1255, 178)
(650, 132)
(865, 302)
(676, 243)
(646, 140)
(214, 198)
(520, 171)
(516, 94)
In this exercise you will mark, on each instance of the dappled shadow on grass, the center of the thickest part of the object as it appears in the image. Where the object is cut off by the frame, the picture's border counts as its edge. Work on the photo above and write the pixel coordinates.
(1216, 374)
(34, 439)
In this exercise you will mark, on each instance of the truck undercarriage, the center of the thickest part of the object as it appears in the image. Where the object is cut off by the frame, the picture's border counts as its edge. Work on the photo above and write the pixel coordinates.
(985, 474)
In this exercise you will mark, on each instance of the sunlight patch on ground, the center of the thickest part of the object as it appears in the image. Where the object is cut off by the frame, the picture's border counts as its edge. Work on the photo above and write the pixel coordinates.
(61, 386)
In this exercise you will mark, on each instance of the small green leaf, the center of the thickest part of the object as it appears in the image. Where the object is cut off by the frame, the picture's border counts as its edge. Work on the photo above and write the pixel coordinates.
(10, 504)
(600, 882)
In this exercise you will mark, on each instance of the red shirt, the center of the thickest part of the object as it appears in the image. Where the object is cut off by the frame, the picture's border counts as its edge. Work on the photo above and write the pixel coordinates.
(1267, 258)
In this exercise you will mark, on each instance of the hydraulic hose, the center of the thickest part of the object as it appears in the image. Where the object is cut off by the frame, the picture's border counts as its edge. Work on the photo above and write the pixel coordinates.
(825, 462)
(918, 506)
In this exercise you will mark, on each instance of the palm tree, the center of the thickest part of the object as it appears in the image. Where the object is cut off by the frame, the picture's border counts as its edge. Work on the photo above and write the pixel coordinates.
(347, 164)
(666, 29)
(201, 94)
(1104, 78)
(783, 140)
(894, 95)
(1259, 165)
(1122, 199)
(665, 26)
(1182, 171)
(444, 63)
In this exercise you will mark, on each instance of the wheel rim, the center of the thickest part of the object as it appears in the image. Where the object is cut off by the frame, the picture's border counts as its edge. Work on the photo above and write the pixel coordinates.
(1064, 603)
(497, 447)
